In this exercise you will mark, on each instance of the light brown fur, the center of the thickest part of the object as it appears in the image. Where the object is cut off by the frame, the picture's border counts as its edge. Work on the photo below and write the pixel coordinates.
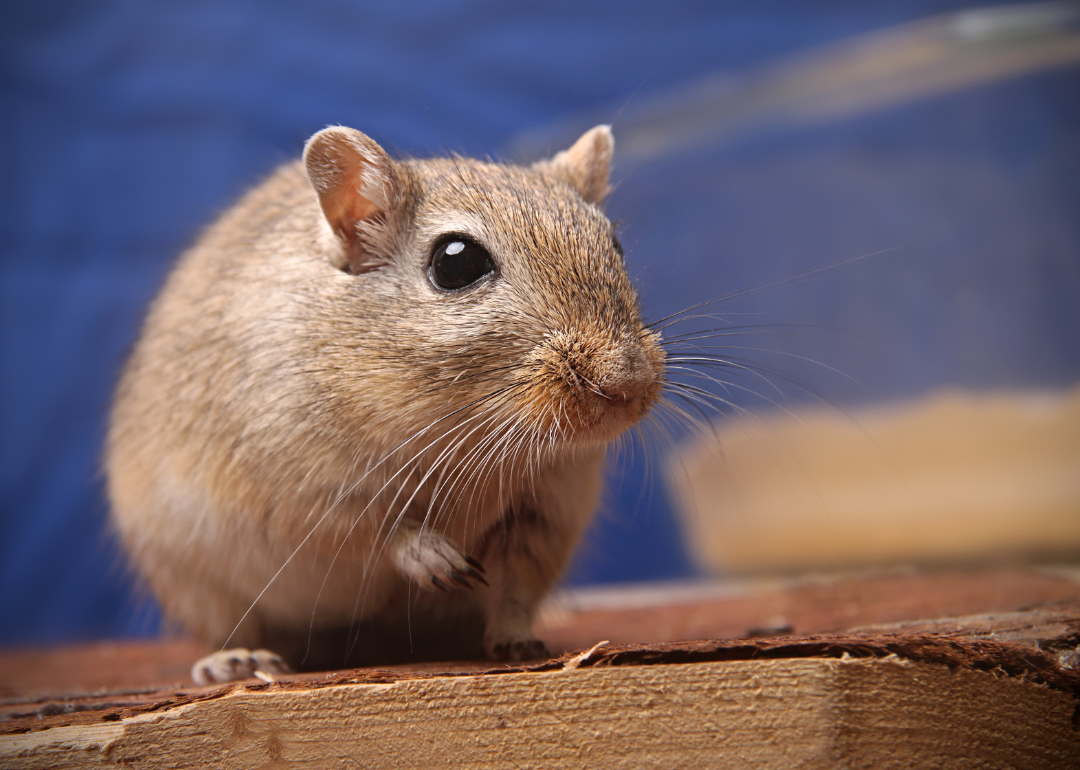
(303, 399)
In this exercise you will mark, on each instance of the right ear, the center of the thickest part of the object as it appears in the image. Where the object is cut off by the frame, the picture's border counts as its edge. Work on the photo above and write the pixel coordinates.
(356, 184)
(586, 166)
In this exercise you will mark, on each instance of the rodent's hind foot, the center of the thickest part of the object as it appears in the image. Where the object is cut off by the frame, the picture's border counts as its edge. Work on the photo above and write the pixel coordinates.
(519, 650)
(236, 664)
(434, 561)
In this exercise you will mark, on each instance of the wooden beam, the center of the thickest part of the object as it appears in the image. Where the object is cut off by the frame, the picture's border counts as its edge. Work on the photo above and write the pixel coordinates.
(881, 712)
(998, 688)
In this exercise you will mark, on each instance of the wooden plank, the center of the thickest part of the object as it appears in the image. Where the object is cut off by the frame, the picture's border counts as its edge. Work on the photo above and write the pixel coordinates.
(996, 688)
(881, 712)
(577, 620)
(1028, 662)
(811, 605)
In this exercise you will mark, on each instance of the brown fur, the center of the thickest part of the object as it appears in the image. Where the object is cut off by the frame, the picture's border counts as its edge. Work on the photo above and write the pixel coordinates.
(301, 394)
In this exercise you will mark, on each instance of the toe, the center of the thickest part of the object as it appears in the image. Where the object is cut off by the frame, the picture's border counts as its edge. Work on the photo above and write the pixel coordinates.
(236, 664)
(434, 561)
(269, 662)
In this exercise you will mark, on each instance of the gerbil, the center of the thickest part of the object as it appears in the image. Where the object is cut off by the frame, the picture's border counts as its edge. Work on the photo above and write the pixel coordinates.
(371, 377)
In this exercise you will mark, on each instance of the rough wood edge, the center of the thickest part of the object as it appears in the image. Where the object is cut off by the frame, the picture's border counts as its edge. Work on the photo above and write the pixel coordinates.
(1015, 660)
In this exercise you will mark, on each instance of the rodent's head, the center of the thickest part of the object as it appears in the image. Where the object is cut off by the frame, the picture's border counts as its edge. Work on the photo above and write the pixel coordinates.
(500, 293)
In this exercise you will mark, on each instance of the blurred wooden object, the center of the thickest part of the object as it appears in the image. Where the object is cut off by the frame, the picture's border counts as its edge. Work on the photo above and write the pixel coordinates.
(906, 687)
(958, 477)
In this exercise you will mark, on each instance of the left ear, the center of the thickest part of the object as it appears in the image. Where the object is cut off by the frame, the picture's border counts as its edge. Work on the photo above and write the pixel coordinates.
(357, 185)
(586, 165)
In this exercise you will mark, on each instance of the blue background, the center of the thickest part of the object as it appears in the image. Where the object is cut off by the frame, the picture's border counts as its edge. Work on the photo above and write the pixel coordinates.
(127, 126)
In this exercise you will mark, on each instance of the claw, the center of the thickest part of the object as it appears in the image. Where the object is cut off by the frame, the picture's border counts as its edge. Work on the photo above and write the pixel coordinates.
(475, 565)
(477, 576)
(439, 584)
(461, 580)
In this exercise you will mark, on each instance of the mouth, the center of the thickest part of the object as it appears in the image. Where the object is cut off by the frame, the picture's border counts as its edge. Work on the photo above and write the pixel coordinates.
(610, 417)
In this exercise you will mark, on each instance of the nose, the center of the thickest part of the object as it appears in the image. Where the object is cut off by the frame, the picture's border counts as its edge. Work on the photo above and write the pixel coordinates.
(626, 374)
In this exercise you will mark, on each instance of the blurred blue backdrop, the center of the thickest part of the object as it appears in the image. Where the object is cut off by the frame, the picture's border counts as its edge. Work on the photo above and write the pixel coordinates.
(127, 126)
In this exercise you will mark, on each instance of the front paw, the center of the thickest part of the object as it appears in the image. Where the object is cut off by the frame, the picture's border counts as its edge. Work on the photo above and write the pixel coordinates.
(518, 650)
(236, 664)
(434, 561)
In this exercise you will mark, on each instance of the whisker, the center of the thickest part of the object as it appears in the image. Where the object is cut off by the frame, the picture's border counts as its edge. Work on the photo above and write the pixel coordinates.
(410, 466)
(447, 452)
(768, 285)
(342, 496)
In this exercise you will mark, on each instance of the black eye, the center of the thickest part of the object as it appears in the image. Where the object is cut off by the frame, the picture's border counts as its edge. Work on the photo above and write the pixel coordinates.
(458, 262)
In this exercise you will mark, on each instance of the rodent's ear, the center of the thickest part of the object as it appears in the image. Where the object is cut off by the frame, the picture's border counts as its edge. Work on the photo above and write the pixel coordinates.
(356, 184)
(587, 164)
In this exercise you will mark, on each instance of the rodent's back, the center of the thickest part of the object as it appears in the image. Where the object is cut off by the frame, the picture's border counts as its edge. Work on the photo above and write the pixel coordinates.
(215, 367)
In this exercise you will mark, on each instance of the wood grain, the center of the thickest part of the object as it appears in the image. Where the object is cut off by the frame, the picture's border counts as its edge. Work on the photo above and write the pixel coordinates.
(810, 713)
(996, 686)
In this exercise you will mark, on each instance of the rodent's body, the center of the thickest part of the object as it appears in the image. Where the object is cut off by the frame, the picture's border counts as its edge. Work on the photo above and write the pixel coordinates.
(305, 395)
